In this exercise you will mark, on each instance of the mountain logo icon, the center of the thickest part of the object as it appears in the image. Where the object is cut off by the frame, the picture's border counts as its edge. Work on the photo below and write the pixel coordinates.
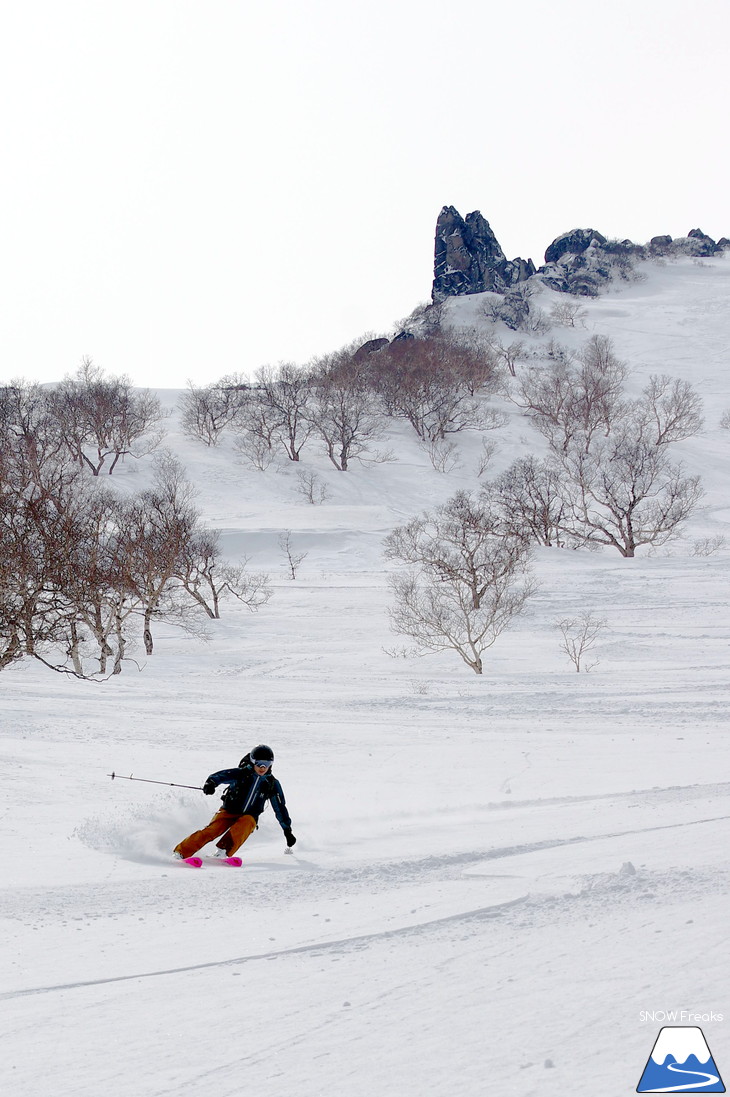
(680, 1062)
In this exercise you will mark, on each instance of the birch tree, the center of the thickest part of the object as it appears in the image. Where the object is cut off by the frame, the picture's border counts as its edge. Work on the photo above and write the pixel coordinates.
(532, 500)
(625, 492)
(573, 400)
(345, 413)
(207, 410)
(286, 392)
(208, 579)
(159, 524)
(104, 417)
(465, 580)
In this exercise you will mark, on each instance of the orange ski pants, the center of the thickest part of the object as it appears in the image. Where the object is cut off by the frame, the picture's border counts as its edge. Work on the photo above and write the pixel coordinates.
(231, 829)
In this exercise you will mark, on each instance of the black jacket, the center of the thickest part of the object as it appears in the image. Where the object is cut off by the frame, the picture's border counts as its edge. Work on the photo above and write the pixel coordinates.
(247, 793)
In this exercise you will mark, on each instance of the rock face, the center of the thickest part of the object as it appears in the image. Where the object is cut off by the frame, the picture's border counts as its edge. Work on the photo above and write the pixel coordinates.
(704, 244)
(583, 261)
(660, 243)
(468, 258)
(575, 242)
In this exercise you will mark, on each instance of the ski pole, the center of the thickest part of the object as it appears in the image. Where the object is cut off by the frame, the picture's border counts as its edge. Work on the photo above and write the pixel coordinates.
(170, 784)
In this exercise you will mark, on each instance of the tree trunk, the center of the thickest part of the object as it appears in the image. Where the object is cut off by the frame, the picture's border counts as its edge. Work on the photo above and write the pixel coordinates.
(12, 651)
(74, 650)
(201, 600)
(331, 455)
(28, 629)
(121, 642)
(147, 634)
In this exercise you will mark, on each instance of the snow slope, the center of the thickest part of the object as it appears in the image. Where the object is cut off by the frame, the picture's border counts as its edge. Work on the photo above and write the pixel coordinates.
(494, 876)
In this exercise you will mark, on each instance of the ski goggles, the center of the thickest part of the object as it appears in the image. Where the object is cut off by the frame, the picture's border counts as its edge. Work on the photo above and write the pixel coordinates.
(266, 764)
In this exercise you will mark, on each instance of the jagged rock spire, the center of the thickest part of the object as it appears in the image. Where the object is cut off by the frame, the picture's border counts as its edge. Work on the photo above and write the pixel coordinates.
(468, 258)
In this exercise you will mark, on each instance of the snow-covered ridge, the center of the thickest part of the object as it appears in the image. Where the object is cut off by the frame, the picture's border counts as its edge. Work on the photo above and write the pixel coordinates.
(468, 258)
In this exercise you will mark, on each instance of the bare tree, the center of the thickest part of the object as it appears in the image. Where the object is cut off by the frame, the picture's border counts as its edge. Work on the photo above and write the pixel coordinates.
(159, 525)
(293, 559)
(344, 410)
(208, 579)
(42, 510)
(486, 455)
(37, 519)
(256, 430)
(531, 500)
(491, 308)
(311, 485)
(32, 610)
(96, 581)
(707, 546)
(570, 400)
(625, 492)
(474, 358)
(287, 394)
(444, 456)
(433, 384)
(101, 417)
(579, 634)
(671, 408)
(208, 410)
(465, 583)
(568, 313)
(78, 561)
(28, 426)
(558, 352)
(601, 376)
(510, 354)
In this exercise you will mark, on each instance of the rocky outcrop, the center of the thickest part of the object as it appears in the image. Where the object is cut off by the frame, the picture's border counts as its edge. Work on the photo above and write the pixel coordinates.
(468, 258)
(704, 244)
(696, 243)
(371, 347)
(573, 243)
(659, 245)
(584, 261)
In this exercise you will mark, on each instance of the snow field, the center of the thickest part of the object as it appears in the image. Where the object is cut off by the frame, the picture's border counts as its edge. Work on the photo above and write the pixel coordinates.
(491, 874)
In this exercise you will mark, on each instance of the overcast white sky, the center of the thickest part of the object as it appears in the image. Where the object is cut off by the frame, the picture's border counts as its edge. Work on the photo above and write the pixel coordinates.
(192, 187)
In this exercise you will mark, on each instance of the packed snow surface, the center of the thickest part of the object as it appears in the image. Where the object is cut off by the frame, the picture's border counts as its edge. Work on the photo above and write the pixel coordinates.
(499, 881)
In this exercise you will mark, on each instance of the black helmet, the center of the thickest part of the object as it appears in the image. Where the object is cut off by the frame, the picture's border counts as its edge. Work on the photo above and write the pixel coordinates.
(262, 753)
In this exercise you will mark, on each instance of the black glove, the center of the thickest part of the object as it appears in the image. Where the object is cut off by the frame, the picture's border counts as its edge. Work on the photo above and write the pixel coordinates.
(290, 839)
(209, 787)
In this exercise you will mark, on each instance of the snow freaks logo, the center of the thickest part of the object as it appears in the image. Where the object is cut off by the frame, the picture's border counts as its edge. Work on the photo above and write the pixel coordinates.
(680, 1062)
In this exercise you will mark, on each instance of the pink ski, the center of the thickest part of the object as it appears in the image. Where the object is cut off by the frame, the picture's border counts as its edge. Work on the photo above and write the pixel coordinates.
(194, 862)
(235, 862)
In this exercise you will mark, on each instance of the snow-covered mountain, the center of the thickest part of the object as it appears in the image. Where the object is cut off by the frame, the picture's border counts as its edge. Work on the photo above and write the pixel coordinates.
(494, 875)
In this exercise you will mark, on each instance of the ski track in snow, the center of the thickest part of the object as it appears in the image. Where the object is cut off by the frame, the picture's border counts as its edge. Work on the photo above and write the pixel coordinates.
(322, 946)
(303, 879)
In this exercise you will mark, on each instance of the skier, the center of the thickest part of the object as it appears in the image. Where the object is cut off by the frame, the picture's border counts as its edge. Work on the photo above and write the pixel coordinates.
(250, 785)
